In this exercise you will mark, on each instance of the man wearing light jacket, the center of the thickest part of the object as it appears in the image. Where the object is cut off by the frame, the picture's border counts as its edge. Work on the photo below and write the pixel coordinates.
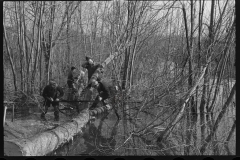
(91, 67)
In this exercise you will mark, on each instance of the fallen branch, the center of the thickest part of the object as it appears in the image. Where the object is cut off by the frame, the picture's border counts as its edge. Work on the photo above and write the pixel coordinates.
(167, 131)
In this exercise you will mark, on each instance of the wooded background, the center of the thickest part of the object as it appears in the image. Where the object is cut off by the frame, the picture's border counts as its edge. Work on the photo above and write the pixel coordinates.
(176, 57)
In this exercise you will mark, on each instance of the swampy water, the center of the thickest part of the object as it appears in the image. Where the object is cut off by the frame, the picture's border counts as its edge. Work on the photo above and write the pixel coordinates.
(98, 138)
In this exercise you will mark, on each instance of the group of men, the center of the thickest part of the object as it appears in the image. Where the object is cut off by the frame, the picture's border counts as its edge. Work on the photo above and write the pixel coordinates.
(52, 92)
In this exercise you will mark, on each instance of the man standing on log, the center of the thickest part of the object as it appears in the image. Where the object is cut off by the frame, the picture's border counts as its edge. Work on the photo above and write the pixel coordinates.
(91, 67)
(51, 94)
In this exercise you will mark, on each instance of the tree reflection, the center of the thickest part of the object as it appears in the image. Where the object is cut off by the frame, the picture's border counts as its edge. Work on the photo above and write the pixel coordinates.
(96, 143)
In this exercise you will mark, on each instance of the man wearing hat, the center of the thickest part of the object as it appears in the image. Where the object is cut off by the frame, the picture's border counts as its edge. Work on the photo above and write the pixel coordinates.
(51, 94)
(106, 90)
(91, 67)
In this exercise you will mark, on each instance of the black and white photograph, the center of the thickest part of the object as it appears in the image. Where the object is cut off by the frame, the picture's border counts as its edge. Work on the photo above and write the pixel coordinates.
(119, 78)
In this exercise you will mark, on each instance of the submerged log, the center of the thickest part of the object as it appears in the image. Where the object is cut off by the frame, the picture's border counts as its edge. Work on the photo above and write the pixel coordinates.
(99, 110)
(46, 142)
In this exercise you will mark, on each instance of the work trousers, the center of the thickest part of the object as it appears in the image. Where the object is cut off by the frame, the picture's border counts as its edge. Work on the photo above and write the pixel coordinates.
(55, 105)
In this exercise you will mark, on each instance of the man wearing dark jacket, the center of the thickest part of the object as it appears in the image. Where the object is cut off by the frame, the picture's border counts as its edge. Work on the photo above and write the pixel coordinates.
(106, 90)
(91, 67)
(51, 94)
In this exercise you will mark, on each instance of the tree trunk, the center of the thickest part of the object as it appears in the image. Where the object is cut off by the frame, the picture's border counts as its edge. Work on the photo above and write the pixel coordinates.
(50, 44)
(102, 43)
(69, 60)
(25, 47)
(191, 111)
(166, 132)
(48, 141)
(10, 57)
(218, 120)
(38, 47)
(18, 23)
(229, 137)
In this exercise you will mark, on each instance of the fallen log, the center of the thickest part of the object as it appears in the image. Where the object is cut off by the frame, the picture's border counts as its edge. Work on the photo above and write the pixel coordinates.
(99, 110)
(48, 141)
(75, 101)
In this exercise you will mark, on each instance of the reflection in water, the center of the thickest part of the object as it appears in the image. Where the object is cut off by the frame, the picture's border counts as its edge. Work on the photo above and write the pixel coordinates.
(96, 143)
(93, 141)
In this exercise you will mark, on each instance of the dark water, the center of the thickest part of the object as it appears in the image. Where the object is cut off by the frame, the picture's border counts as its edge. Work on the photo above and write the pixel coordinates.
(97, 139)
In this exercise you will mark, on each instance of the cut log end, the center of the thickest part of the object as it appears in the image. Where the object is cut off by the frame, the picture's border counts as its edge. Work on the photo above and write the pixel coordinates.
(11, 149)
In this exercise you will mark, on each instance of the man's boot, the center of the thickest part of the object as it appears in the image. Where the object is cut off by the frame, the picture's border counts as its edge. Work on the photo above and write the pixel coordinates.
(56, 119)
(56, 116)
(56, 112)
(43, 117)
(77, 108)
